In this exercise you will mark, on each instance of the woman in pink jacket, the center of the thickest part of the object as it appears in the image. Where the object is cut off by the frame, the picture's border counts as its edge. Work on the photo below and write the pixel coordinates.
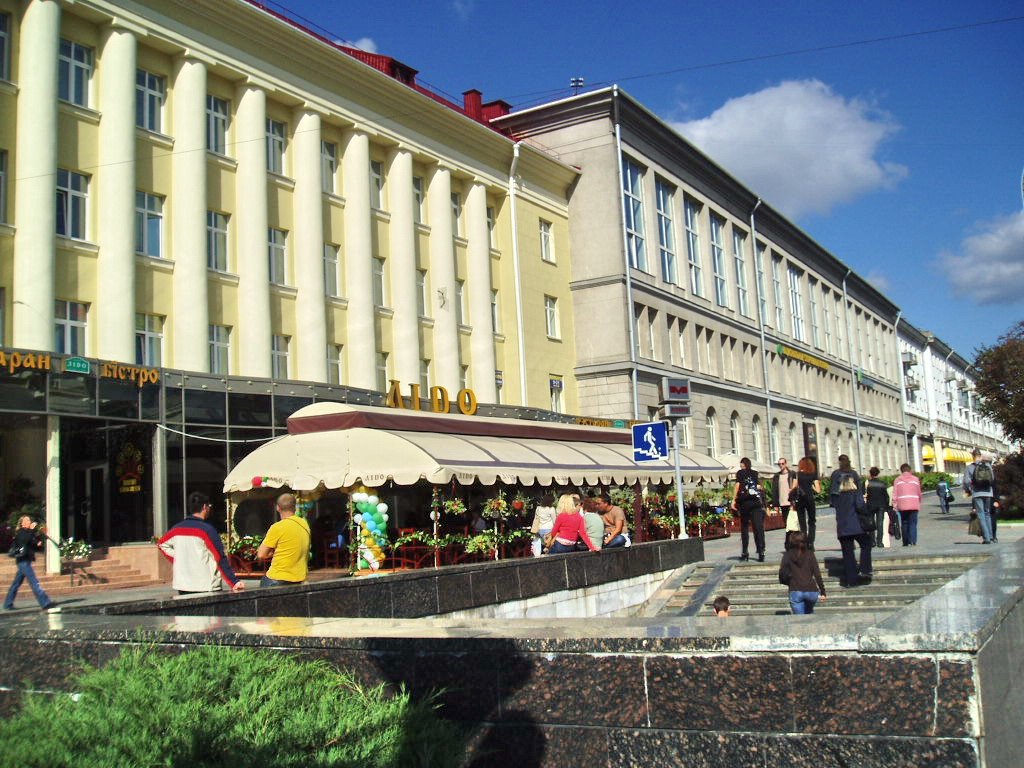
(906, 497)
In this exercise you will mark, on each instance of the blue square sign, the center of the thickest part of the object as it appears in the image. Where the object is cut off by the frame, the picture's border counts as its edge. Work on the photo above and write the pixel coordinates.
(650, 441)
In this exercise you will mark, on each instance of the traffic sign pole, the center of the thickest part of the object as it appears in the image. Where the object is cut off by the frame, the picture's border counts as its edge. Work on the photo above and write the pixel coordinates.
(679, 482)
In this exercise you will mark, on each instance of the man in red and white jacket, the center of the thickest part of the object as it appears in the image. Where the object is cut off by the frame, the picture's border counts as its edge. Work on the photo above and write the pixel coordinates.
(906, 497)
(195, 550)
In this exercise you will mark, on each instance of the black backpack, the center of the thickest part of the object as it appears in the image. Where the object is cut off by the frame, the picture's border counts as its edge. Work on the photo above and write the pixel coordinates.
(750, 491)
(983, 477)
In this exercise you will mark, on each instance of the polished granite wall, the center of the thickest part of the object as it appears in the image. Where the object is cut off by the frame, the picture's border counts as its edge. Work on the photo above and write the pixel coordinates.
(932, 685)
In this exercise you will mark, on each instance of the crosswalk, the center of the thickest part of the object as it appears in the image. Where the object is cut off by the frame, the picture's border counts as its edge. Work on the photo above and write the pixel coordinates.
(754, 589)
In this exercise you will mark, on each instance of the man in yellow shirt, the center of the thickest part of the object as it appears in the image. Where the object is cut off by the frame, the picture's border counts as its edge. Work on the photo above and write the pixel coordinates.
(287, 542)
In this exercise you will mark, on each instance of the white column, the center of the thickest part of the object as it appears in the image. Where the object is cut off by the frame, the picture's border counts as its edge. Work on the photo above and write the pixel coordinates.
(35, 216)
(115, 198)
(481, 342)
(402, 258)
(442, 279)
(360, 367)
(191, 321)
(51, 493)
(310, 312)
(251, 336)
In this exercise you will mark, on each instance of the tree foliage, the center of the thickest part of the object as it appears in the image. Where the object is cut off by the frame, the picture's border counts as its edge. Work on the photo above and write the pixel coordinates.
(1000, 382)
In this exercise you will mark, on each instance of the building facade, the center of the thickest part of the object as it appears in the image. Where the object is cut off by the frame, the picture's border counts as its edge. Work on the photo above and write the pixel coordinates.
(679, 270)
(942, 418)
(249, 205)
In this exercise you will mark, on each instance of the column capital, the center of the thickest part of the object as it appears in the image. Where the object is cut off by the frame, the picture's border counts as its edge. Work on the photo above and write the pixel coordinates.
(192, 56)
(118, 24)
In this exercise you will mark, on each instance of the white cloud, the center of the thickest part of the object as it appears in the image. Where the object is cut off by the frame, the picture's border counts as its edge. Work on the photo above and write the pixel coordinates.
(463, 8)
(367, 44)
(799, 145)
(989, 267)
(879, 280)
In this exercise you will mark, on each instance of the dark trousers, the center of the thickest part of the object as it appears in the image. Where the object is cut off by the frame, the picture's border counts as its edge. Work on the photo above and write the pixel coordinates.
(880, 523)
(850, 561)
(908, 521)
(752, 516)
(807, 516)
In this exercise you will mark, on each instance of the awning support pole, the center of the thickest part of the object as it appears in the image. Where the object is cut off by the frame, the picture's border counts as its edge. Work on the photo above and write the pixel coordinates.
(679, 481)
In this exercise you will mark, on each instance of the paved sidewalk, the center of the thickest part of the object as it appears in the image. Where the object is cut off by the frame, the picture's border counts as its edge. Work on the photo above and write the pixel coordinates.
(936, 533)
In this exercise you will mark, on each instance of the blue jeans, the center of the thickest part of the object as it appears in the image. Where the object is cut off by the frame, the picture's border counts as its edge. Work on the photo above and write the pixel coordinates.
(803, 602)
(908, 521)
(558, 548)
(983, 509)
(266, 581)
(25, 571)
(618, 541)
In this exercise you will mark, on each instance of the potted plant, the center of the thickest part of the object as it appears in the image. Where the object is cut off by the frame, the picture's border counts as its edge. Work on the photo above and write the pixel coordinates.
(522, 503)
(72, 551)
(455, 507)
(496, 508)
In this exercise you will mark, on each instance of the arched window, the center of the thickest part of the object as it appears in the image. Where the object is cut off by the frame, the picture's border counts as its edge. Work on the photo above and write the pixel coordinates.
(794, 446)
(734, 433)
(826, 445)
(712, 433)
(755, 431)
(773, 440)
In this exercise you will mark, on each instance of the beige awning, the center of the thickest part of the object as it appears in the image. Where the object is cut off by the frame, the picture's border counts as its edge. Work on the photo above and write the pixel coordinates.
(341, 445)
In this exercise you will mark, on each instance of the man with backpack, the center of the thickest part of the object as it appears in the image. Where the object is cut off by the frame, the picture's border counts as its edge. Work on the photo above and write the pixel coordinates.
(748, 500)
(980, 482)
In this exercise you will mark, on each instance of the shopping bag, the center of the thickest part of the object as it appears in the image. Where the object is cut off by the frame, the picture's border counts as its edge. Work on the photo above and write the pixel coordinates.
(792, 520)
(894, 525)
(974, 527)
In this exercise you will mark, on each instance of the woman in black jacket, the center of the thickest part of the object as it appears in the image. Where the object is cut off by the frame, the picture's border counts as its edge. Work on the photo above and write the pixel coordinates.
(799, 571)
(27, 540)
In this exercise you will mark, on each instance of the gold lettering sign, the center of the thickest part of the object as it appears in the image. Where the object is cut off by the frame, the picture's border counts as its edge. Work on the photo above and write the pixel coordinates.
(440, 401)
(803, 357)
(141, 376)
(14, 361)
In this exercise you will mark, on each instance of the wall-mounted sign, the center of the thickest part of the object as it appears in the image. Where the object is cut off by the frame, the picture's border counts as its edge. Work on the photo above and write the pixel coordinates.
(675, 410)
(77, 365)
(129, 469)
(803, 357)
(865, 380)
(140, 376)
(14, 361)
(675, 390)
(440, 402)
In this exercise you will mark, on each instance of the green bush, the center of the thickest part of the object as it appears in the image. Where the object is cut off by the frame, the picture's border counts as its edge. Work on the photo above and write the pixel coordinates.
(216, 706)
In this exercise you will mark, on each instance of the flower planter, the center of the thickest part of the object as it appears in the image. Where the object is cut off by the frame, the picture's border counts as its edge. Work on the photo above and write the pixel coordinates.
(774, 522)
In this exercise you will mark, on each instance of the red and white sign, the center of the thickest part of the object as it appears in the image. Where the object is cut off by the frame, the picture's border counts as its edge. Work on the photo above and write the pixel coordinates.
(675, 390)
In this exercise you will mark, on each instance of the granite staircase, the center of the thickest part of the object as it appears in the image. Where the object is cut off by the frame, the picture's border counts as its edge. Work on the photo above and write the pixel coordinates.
(754, 589)
(101, 572)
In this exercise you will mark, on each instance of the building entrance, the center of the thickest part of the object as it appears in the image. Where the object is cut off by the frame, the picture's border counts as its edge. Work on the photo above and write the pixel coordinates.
(88, 512)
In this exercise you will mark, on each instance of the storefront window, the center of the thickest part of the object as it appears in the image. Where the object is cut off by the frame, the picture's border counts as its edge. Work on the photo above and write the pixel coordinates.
(119, 399)
(72, 393)
(285, 406)
(249, 410)
(23, 391)
(202, 407)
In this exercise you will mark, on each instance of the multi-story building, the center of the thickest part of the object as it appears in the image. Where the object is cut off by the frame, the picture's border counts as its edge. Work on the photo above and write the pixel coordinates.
(942, 418)
(679, 270)
(242, 205)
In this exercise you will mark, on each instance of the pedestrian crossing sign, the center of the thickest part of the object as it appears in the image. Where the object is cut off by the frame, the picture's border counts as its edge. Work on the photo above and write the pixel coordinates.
(650, 441)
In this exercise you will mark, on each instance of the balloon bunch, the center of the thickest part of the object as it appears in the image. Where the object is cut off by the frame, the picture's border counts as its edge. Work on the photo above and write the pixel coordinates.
(372, 518)
(259, 481)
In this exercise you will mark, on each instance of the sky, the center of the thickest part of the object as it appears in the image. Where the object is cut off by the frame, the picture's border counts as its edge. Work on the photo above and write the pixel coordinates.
(892, 133)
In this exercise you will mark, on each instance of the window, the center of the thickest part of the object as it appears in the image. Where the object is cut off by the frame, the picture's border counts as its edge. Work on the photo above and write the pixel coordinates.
(424, 376)
(684, 433)
(277, 143)
(490, 227)
(376, 185)
(70, 318)
(220, 347)
(681, 327)
(738, 242)
(217, 241)
(334, 359)
(693, 247)
(461, 313)
(332, 271)
(773, 439)
(421, 292)
(495, 311)
(328, 165)
(755, 431)
(3, 186)
(652, 334)
(712, 428)
(72, 194)
(796, 302)
(777, 296)
(812, 293)
(734, 434)
(218, 118)
(762, 298)
(670, 335)
(382, 371)
(74, 71)
(149, 224)
(149, 100)
(418, 196)
(547, 243)
(555, 385)
(633, 211)
(380, 297)
(551, 317)
(718, 260)
(826, 320)
(456, 214)
(665, 194)
(5, 46)
(277, 252)
(794, 449)
(279, 356)
(149, 340)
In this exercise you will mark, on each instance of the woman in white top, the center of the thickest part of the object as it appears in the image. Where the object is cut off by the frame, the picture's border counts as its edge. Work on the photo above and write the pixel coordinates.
(543, 520)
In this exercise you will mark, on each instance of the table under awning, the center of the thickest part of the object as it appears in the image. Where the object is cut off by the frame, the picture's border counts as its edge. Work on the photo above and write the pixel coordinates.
(336, 445)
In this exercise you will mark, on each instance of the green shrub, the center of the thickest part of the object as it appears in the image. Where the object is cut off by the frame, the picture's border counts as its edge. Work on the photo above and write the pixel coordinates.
(215, 706)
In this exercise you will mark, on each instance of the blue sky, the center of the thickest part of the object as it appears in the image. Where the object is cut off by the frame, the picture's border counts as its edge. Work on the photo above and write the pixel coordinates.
(891, 132)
